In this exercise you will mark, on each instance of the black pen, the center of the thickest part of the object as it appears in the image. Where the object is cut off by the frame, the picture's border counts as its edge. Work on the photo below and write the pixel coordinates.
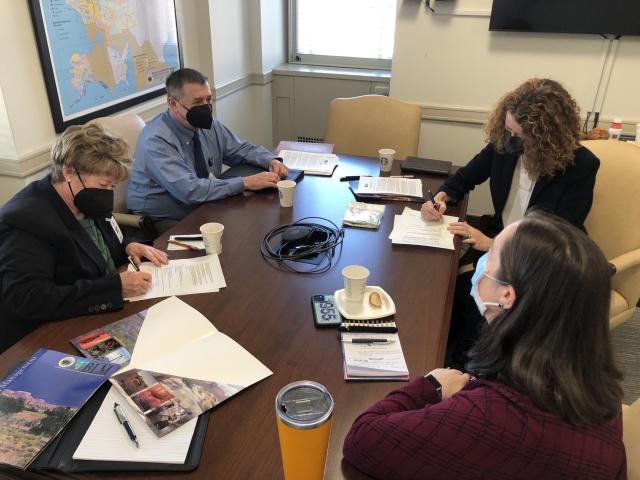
(349, 178)
(433, 200)
(133, 264)
(124, 421)
(369, 340)
(193, 238)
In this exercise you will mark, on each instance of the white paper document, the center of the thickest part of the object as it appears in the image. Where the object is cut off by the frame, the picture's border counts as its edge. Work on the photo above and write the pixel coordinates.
(311, 163)
(107, 440)
(400, 187)
(377, 361)
(183, 277)
(411, 229)
(194, 240)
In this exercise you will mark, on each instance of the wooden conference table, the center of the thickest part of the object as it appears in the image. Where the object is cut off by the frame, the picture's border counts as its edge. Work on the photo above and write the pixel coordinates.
(268, 312)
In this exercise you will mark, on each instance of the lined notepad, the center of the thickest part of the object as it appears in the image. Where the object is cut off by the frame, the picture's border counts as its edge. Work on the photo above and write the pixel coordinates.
(107, 440)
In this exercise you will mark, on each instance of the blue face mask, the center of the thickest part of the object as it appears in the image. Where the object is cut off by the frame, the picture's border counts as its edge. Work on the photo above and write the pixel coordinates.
(478, 274)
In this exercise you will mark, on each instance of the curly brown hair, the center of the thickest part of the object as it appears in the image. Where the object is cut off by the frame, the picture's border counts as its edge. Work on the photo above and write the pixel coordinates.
(550, 121)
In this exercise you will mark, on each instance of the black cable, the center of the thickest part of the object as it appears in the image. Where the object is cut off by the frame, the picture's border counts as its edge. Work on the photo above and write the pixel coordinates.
(333, 237)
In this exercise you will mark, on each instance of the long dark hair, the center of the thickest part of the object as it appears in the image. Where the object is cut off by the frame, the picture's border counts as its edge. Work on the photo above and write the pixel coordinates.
(554, 344)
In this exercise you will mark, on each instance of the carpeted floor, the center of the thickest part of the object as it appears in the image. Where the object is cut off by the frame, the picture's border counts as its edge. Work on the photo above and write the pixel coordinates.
(626, 347)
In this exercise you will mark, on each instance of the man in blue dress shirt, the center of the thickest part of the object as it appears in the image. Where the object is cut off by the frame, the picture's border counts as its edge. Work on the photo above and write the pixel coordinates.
(180, 153)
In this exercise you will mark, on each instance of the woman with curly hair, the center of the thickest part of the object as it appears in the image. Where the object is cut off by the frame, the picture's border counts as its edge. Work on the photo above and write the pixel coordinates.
(533, 158)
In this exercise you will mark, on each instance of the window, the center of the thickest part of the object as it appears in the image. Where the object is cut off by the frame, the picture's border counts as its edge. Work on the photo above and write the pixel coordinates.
(349, 33)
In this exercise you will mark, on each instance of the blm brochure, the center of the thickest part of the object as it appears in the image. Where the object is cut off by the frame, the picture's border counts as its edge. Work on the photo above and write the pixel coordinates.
(183, 277)
(181, 366)
(40, 397)
(311, 163)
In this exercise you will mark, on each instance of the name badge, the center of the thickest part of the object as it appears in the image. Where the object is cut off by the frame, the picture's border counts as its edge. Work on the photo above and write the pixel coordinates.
(116, 228)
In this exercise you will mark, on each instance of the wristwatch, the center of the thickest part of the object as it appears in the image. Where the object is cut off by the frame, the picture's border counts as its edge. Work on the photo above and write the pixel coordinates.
(433, 381)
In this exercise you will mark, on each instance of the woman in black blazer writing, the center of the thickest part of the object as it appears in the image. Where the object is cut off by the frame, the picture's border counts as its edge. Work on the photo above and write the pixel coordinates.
(59, 244)
(533, 158)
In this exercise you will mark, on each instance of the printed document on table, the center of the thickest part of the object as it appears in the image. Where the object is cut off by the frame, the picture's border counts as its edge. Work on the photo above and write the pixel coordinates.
(403, 187)
(107, 440)
(411, 229)
(183, 277)
(312, 163)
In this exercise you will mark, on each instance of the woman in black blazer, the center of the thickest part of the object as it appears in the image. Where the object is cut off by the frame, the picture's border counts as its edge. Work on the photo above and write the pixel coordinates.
(59, 244)
(533, 159)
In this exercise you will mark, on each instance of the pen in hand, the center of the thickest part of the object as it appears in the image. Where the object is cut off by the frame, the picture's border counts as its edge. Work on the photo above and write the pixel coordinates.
(133, 264)
(124, 421)
(433, 200)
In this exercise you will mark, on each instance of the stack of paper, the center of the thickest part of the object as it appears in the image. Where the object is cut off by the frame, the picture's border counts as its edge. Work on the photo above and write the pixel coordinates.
(311, 163)
(411, 229)
(375, 360)
(195, 240)
(183, 277)
(381, 187)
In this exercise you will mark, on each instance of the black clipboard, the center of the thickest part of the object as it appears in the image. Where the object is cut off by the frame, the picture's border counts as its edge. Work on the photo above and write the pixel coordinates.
(57, 455)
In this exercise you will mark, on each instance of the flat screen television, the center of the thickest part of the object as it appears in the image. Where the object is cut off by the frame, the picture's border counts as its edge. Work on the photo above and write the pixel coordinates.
(606, 17)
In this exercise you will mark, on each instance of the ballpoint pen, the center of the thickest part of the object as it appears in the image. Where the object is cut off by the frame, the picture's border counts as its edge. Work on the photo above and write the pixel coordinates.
(133, 264)
(402, 176)
(124, 421)
(369, 340)
(349, 178)
(184, 245)
(433, 200)
(191, 238)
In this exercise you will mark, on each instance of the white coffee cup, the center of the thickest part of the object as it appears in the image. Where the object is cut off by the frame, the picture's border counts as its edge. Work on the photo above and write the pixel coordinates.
(355, 281)
(386, 159)
(286, 189)
(212, 236)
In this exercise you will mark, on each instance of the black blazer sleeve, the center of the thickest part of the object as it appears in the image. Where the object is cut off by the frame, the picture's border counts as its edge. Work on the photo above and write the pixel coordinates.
(473, 173)
(31, 290)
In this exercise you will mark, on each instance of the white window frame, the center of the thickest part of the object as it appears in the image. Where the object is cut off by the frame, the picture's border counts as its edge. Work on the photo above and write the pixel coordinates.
(326, 60)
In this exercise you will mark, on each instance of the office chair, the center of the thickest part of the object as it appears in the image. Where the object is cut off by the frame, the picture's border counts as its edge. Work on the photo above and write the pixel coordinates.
(631, 438)
(612, 222)
(363, 125)
(127, 126)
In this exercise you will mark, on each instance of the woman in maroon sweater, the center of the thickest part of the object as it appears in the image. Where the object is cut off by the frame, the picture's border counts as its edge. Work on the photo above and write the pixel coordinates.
(546, 401)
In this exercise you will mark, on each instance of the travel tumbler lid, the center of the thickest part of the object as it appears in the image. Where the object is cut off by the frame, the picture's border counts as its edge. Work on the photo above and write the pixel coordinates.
(304, 405)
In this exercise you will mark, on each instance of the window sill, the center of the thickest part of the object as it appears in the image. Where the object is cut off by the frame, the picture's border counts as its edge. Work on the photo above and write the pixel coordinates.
(343, 73)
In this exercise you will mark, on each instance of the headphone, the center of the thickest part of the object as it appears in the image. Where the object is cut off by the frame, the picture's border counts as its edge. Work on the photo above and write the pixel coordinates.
(300, 240)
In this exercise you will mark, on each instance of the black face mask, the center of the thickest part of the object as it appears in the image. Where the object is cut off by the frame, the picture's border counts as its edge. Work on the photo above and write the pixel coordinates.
(96, 203)
(512, 145)
(200, 116)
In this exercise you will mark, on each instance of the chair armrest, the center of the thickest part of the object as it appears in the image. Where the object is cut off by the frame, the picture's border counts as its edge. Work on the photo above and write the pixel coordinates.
(626, 261)
(139, 222)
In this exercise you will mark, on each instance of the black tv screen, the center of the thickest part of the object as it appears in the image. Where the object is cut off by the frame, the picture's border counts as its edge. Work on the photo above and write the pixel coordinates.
(607, 17)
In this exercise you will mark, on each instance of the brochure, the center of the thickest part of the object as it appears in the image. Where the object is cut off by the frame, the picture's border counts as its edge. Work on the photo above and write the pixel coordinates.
(42, 396)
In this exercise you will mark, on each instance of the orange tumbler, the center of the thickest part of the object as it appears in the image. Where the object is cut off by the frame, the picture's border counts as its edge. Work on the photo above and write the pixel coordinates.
(303, 415)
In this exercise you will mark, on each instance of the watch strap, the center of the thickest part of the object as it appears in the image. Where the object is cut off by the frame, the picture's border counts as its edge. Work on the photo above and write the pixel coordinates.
(434, 381)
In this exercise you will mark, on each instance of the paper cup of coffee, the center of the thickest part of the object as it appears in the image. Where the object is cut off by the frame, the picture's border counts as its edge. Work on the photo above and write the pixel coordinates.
(286, 189)
(212, 237)
(355, 281)
(386, 159)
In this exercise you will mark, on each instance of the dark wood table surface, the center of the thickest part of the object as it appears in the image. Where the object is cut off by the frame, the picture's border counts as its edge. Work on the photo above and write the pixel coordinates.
(268, 312)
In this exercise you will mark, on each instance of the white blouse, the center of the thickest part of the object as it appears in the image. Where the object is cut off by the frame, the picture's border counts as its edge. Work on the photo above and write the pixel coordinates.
(519, 195)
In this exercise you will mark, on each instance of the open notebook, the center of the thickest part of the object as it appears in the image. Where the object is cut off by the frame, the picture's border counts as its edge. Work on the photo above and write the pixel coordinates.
(180, 365)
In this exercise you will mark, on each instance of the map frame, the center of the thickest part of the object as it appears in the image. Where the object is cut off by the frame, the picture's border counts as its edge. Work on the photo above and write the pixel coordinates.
(49, 77)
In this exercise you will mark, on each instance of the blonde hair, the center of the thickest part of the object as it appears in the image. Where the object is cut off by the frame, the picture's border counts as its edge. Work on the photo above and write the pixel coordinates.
(550, 121)
(90, 150)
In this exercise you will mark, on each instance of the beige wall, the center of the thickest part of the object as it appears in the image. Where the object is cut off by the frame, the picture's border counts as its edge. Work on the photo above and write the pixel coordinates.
(454, 67)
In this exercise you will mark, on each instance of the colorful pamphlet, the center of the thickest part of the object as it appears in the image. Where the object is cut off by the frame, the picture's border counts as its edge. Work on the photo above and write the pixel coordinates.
(179, 364)
(42, 396)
